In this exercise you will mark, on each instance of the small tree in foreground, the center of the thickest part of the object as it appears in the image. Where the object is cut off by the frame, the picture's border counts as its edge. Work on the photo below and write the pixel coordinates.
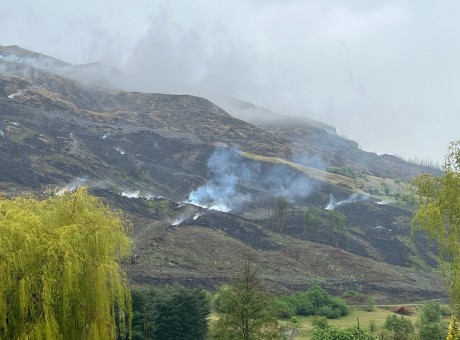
(244, 309)
(398, 328)
(431, 327)
(60, 274)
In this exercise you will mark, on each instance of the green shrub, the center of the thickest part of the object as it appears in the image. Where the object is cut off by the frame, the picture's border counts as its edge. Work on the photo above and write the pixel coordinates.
(319, 321)
(349, 294)
(370, 305)
(302, 303)
(325, 305)
(334, 333)
(433, 331)
(315, 301)
(431, 327)
(431, 312)
(399, 327)
(340, 305)
(445, 310)
(282, 308)
(372, 326)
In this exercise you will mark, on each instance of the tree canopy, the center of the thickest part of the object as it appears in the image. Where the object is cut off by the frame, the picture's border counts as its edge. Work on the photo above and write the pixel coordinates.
(60, 273)
(439, 215)
(244, 311)
(172, 312)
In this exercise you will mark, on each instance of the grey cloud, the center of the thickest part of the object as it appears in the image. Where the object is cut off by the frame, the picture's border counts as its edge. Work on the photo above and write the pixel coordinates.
(383, 73)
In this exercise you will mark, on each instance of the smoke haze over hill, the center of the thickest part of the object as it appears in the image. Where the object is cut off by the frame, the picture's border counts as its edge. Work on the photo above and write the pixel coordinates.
(385, 74)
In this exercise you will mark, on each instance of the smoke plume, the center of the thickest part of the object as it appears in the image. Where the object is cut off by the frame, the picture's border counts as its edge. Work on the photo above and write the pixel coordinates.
(228, 171)
(333, 203)
(72, 186)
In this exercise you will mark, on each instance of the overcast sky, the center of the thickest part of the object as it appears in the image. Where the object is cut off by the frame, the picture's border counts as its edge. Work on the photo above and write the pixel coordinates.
(384, 73)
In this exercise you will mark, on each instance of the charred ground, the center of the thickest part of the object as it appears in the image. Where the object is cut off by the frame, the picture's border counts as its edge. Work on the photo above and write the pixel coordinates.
(145, 153)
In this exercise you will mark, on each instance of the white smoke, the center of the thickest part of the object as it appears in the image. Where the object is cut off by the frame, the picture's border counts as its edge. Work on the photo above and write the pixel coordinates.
(130, 194)
(333, 203)
(281, 181)
(121, 151)
(310, 160)
(139, 194)
(190, 214)
(72, 186)
(11, 96)
(226, 169)
(382, 202)
(178, 220)
(42, 63)
(80, 181)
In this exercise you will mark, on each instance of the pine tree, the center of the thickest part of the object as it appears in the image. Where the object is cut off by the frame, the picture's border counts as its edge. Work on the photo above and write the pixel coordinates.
(60, 273)
(181, 314)
(170, 313)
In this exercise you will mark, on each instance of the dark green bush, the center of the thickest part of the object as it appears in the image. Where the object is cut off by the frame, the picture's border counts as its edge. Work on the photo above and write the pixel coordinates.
(400, 327)
(315, 301)
(283, 308)
(319, 321)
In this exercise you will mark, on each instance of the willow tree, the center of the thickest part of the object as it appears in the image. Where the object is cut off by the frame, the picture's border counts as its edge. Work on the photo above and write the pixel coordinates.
(60, 276)
(439, 215)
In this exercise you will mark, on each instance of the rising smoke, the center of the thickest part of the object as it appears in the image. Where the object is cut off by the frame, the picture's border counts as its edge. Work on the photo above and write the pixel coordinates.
(333, 203)
(72, 186)
(228, 171)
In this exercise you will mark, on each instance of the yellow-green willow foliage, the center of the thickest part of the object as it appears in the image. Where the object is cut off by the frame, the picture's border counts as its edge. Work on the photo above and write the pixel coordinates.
(439, 215)
(453, 333)
(60, 276)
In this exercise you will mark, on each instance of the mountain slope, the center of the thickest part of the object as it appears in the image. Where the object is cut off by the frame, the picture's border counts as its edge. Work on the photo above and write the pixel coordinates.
(132, 148)
(317, 144)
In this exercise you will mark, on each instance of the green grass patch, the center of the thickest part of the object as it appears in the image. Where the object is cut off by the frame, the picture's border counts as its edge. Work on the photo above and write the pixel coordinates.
(365, 318)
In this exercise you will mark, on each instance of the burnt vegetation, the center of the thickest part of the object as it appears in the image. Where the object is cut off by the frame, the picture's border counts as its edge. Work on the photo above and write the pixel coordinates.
(56, 129)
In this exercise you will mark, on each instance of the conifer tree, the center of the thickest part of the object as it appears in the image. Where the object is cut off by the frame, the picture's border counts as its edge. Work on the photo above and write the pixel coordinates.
(244, 309)
(60, 274)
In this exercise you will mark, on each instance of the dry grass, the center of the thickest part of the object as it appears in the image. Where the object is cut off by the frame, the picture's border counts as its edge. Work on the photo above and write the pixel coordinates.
(357, 185)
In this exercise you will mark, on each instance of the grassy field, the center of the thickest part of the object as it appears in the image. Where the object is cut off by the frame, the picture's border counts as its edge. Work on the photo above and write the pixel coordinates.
(358, 314)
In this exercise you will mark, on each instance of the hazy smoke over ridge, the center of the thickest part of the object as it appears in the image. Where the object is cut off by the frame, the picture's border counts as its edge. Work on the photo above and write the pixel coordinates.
(355, 65)
(228, 170)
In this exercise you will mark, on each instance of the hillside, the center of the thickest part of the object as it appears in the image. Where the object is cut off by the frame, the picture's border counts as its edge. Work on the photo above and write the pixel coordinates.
(202, 188)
